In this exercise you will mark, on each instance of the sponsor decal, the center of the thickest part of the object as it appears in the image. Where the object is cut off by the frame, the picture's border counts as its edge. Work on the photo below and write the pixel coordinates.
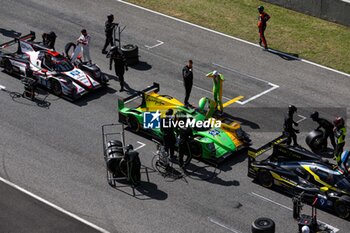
(152, 120)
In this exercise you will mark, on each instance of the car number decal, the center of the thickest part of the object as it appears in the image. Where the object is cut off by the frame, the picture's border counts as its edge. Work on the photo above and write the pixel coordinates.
(75, 72)
(214, 132)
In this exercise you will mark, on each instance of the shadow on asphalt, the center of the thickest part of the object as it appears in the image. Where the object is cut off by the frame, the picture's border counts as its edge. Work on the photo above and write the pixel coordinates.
(84, 100)
(281, 54)
(227, 117)
(151, 190)
(128, 89)
(145, 191)
(10, 33)
(234, 159)
(208, 173)
(142, 66)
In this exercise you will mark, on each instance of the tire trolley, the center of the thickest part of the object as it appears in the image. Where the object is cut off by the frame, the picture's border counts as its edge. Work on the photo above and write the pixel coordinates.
(122, 162)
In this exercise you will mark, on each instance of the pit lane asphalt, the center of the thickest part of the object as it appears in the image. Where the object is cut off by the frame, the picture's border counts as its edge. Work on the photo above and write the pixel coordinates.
(22, 213)
(56, 152)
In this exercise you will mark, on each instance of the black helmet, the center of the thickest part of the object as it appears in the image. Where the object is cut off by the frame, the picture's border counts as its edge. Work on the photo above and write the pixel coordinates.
(314, 115)
(129, 147)
(260, 8)
(169, 112)
(292, 109)
(110, 16)
(53, 34)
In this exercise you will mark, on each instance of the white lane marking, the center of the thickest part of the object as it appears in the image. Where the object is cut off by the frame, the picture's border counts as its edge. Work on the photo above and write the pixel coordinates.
(223, 225)
(232, 37)
(2, 87)
(269, 200)
(311, 63)
(273, 87)
(236, 71)
(141, 145)
(303, 118)
(202, 89)
(334, 229)
(156, 45)
(186, 22)
(54, 206)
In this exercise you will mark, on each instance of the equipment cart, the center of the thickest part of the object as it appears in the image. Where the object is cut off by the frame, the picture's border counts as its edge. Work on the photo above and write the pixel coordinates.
(122, 162)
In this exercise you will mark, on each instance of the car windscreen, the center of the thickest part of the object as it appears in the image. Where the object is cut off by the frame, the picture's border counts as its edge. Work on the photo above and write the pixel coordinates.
(63, 66)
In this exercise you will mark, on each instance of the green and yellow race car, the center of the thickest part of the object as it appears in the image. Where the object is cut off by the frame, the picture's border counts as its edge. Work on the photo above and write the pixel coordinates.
(213, 139)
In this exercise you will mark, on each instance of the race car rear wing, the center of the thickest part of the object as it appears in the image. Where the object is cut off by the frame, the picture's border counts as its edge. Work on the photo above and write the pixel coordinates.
(254, 153)
(283, 152)
(28, 37)
(140, 94)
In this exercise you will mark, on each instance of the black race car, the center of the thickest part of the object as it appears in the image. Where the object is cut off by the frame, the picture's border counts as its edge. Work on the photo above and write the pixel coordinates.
(296, 170)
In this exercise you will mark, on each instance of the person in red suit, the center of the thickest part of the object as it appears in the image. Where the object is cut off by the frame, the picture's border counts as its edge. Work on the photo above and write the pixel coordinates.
(262, 20)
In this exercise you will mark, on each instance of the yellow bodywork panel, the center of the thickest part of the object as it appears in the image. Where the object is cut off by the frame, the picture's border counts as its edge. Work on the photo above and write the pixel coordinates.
(162, 103)
(317, 178)
(230, 130)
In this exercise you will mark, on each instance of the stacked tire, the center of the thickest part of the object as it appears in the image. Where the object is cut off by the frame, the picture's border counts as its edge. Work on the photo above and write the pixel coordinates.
(114, 157)
(263, 225)
(134, 166)
(131, 54)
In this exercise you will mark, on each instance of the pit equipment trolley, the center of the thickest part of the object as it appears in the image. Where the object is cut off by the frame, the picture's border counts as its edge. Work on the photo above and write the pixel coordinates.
(122, 162)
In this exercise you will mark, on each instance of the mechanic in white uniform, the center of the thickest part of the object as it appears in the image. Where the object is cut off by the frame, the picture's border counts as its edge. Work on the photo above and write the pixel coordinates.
(84, 42)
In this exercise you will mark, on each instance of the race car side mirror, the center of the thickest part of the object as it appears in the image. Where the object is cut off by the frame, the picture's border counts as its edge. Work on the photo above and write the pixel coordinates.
(44, 71)
(324, 189)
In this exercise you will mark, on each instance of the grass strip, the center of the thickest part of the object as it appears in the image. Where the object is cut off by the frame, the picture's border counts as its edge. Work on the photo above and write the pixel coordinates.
(311, 38)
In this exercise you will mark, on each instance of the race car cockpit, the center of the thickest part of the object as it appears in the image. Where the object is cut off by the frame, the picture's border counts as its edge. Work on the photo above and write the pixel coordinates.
(54, 61)
(47, 62)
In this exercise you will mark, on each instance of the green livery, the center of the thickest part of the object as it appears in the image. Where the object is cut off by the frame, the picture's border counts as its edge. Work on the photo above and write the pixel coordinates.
(209, 143)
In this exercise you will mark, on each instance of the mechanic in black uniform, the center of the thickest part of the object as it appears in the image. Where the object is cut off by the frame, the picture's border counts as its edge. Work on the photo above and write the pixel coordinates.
(169, 137)
(109, 27)
(49, 40)
(120, 65)
(187, 75)
(288, 129)
(184, 145)
(45, 37)
(326, 125)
